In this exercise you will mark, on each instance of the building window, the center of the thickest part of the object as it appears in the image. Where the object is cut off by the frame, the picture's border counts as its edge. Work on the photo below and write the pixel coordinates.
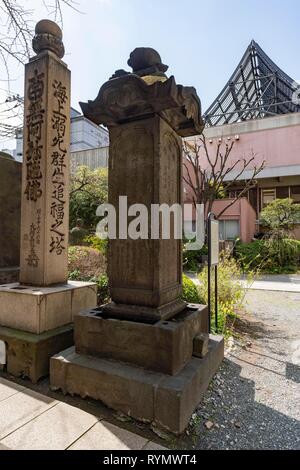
(282, 192)
(268, 195)
(229, 229)
(295, 193)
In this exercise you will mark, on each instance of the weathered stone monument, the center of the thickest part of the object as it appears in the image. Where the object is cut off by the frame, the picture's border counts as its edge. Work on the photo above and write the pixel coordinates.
(147, 353)
(10, 210)
(36, 314)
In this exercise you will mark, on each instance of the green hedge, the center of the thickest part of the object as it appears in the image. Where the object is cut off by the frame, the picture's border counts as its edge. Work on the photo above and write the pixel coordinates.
(270, 255)
(189, 291)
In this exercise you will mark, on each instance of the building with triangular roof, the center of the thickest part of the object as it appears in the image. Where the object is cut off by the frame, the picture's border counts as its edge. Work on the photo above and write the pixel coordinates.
(258, 88)
(259, 111)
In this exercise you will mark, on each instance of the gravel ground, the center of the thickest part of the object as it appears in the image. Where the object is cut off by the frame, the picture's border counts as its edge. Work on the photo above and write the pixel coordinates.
(254, 400)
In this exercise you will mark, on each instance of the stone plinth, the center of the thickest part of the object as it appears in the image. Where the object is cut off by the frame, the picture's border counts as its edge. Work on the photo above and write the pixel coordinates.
(28, 355)
(165, 346)
(152, 397)
(40, 309)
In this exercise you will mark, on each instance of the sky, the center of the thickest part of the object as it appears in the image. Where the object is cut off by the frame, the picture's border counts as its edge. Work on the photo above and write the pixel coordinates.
(201, 41)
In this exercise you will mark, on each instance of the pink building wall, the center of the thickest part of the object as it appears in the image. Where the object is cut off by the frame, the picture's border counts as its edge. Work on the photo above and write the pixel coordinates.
(275, 140)
(240, 210)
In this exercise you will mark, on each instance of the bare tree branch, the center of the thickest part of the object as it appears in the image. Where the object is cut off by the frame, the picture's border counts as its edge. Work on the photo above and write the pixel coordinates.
(207, 179)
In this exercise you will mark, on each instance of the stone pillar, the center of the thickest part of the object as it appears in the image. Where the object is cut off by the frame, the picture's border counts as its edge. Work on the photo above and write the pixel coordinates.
(147, 353)
(46, 144)
(147, 114)
(36, 315)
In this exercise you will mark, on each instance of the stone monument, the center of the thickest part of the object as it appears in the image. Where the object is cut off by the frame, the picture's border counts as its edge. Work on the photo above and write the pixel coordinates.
(10, 209)
(36, 314)
(147, 353)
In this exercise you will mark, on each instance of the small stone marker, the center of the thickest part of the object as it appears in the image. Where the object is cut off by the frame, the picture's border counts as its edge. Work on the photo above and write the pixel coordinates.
(200, 345)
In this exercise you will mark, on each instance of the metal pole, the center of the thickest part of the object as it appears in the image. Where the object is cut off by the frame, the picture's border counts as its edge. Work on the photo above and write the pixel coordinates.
(208, 293)
(208, 271)
(216, 298)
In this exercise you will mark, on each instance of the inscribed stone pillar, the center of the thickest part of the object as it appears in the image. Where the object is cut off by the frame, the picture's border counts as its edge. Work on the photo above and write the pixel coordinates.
(147, 113)
(143, 367)
(45, 178)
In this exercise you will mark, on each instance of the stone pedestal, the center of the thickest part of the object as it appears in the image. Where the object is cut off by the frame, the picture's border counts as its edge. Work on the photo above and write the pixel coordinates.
(36, 315)
(37, 322)
(137, 353)
(167, 401)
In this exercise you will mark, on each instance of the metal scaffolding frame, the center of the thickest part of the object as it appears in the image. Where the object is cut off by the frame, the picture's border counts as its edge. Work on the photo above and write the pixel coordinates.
(258, 88)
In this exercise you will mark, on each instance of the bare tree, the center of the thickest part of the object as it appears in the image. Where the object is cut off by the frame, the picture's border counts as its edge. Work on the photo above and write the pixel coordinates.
(16, 33)
(206, 174)
(17, 27)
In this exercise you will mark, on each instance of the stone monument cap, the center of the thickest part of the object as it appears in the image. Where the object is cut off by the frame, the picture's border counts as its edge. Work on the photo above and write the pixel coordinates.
(48, 36)
(146, 61)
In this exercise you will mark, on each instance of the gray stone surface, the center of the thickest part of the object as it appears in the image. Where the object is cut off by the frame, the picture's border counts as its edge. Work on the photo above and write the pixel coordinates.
(20, 408)
(200, 345)
(104, 436)
(151, 397)
(33, 421)
(165, 346)
(55, 430)
(28, 354)
(10, 212)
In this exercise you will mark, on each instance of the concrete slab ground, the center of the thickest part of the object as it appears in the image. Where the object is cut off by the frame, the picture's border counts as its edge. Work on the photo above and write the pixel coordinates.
(30, 420)
(270, 282)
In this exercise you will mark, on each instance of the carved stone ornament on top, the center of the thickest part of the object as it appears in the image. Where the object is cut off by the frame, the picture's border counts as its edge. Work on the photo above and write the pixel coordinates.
(144, 92)
(48, 37)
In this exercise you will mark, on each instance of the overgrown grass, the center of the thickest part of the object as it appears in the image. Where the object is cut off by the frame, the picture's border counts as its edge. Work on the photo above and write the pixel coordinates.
(231, 293)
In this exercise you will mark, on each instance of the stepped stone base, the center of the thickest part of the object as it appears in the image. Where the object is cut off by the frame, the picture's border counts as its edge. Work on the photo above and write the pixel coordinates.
(165, 346)
(28, 354)
(164, 400)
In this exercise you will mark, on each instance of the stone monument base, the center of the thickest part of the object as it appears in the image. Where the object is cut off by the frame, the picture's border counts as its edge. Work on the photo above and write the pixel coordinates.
(37, 322)
(164, 400)
(40, 309)
(28, 354)
(165, 346)
(156, 373)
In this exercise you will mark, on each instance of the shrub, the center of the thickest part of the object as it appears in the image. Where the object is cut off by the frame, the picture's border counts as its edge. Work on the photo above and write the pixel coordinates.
(230, 292)
(88, 190)
(103, 288)
(273, 255)
(189, 291)
(85, 263)
(97, 243)
(193, 258)
(280, 216)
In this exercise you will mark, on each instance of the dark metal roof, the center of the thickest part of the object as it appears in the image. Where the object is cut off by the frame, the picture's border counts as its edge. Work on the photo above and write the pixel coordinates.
(258, 88)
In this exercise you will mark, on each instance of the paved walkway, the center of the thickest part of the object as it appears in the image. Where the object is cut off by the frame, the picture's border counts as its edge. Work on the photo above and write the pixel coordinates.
(30, 420)
(282, 282)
